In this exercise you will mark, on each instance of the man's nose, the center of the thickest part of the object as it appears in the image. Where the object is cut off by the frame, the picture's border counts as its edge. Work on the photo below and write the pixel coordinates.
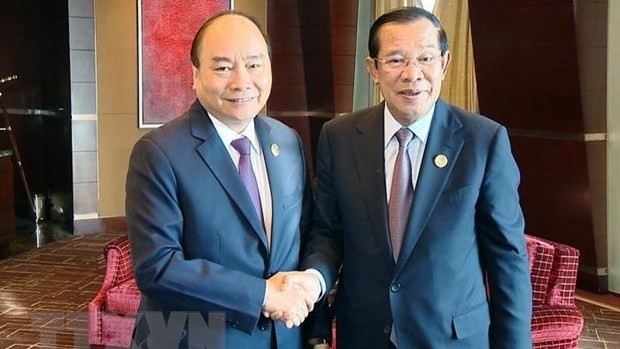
(240, 79)
(412, 71)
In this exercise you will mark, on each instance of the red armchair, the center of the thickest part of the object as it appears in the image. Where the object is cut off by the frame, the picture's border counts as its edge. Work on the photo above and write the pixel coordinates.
(112, 311)
(556, 320)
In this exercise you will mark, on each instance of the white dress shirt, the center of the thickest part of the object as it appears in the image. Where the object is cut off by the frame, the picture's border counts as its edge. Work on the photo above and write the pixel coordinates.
(227, 135)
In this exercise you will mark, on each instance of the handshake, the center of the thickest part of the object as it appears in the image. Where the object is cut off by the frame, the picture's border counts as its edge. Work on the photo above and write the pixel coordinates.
(290, 296)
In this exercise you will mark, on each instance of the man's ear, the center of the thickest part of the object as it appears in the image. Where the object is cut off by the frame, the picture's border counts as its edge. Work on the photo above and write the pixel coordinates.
(195, 73)
(445, 63)
(371, 67)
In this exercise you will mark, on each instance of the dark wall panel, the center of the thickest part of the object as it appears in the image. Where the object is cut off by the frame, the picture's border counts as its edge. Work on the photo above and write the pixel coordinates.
(313, 44)
(526, 64)
(289, 81)
(555, 190)
(528, 74)
(34, 45)
(324, 32)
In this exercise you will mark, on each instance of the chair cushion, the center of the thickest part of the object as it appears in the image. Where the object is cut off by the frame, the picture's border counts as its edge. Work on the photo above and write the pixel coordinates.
(563, 276)
(116, 331)
(552, 322)
(123, 299)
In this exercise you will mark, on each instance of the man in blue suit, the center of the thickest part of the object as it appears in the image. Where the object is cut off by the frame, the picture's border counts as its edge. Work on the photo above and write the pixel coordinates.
(207, 246)
(428, 233)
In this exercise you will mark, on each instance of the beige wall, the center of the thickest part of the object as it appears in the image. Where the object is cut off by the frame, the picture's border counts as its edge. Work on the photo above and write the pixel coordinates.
(117, 94)
(256, 8)
(116, 59)
(613, 146)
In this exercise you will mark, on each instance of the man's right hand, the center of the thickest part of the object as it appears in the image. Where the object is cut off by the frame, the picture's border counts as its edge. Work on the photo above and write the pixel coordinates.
(306, 280)
(286, 301)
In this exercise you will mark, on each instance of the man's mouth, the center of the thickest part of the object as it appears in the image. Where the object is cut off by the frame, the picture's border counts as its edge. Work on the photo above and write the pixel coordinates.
(240, 100)
(411, 93)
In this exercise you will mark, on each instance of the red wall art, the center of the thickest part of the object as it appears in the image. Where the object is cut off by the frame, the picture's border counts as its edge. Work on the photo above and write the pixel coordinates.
(166, 29)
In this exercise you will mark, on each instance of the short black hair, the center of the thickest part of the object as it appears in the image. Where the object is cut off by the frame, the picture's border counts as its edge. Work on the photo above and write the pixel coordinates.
(404, 15)
(195, 50)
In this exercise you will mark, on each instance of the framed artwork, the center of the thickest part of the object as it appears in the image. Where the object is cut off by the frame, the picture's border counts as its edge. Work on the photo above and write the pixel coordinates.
(166, 29)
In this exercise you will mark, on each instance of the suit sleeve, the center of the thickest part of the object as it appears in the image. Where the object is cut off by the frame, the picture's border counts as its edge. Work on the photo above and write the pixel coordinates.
(155, 223)
(500, 227)
(318, 324)
(323, 248)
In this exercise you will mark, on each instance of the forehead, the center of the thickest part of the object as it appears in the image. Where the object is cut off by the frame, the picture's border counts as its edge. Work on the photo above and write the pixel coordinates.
(418, 34)
(231, 35)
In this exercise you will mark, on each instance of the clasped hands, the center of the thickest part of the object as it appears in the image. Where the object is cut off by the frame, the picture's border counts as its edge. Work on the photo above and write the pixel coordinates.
(290, 296)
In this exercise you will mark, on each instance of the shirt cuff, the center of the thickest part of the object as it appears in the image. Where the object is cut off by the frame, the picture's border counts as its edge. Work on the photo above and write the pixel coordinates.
(264, 295)
(321, 280)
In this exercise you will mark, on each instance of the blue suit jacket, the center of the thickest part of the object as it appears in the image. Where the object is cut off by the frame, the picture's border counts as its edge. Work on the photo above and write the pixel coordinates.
(465, 227)
(198, 245)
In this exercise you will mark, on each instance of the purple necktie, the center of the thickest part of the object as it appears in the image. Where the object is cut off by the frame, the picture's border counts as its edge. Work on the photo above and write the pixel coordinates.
(247, 174)
(401, 193)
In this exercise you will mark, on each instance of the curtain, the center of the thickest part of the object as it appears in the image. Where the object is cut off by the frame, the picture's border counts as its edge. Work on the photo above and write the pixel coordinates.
(459, 86)
(383, 6)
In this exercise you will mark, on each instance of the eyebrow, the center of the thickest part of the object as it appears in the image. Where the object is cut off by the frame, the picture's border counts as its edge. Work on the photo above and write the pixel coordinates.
(220, 59)
(256, 56)
(228, 60)
(401, 52)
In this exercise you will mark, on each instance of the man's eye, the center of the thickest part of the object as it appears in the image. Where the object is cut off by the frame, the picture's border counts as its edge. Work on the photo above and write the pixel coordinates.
(223, 69)
(426, 59)
(254, 66)
(396, 61)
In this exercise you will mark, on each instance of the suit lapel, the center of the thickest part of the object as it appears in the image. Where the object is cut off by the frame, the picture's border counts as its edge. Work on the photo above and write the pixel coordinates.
(443, 139)
(275, 170)
(216, 157)
(368, 148)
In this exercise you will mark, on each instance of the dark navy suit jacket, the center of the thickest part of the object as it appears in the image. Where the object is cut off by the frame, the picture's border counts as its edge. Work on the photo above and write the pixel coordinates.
(465, 234)
(197, 243)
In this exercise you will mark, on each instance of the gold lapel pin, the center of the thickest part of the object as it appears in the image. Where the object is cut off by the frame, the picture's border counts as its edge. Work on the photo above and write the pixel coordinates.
(275, 149)
(441, 161)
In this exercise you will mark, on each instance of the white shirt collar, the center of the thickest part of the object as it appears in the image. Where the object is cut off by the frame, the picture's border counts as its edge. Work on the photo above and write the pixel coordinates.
(227, 134)
(420, 127)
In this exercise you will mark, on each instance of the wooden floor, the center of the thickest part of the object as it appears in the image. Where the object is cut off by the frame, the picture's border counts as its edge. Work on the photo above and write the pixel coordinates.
(602, 320)
(44, 292)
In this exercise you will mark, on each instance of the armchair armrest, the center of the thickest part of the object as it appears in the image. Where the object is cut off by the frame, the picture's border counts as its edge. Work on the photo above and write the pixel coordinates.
(118, 270)
(118, 263)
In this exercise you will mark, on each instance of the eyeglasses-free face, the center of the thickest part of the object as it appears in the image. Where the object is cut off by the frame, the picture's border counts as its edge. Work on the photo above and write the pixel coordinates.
(409, 68)
(234, 79)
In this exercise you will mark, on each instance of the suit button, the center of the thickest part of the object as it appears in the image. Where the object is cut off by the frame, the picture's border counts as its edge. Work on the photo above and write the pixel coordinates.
(264, 325)
(395, 287)
(232, 323)
(387, 329)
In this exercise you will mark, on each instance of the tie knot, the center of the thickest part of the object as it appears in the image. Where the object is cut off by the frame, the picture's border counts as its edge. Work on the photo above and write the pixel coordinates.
(404, 136)
(242, 145)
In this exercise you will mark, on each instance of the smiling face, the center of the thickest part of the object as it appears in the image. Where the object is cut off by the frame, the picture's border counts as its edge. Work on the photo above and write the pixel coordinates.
(411, 90)
(233, 80)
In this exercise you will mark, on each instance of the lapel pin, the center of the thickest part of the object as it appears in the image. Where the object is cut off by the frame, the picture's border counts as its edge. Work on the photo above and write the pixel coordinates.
(441, 161)
(275, 149)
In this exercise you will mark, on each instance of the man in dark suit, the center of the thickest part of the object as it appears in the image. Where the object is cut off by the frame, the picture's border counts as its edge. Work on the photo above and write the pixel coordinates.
(217, 202)
(417, 201)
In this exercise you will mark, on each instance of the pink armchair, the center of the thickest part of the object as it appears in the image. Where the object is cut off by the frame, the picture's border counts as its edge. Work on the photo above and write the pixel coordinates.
(556, 320)
(112, 311)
